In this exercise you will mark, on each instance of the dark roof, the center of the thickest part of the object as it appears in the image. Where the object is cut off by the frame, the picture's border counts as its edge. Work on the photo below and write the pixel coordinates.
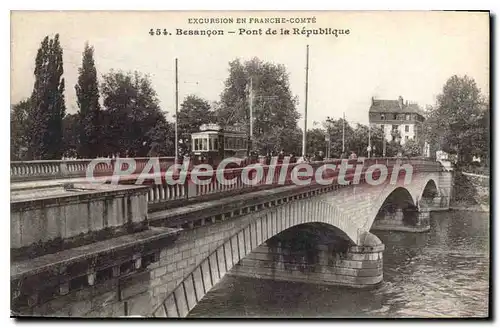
(392, 106)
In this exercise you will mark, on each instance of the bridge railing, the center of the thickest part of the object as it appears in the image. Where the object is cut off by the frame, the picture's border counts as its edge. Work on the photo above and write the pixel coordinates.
(60, 169)
(273, 176)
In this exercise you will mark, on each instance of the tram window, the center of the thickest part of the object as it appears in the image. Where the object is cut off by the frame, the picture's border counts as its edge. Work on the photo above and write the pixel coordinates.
(204, 145)
(196, 144)
(212, 145)
(216, 144)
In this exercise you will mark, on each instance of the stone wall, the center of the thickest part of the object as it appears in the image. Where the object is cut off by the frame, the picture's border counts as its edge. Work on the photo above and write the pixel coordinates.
(357, 267)
(141, 290)
(76, 212)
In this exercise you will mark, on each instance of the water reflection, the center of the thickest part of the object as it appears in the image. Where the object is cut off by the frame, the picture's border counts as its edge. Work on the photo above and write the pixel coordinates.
(441, 273)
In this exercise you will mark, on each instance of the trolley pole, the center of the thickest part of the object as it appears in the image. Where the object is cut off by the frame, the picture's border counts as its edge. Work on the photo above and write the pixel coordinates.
(304, 136)
(176, 111)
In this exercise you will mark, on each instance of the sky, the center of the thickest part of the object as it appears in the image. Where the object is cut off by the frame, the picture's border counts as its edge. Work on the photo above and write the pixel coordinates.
(385, 54)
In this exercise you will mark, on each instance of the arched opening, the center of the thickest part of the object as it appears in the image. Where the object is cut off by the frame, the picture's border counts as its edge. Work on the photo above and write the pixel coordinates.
(310, 235)
(398, 208)
(429, 194)
(306, 244)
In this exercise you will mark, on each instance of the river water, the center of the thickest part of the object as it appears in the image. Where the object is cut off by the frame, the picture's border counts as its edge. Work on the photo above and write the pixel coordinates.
(440, 273)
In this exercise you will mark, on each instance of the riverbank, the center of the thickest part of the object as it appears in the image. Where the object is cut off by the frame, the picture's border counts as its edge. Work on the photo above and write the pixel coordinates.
(471, 192)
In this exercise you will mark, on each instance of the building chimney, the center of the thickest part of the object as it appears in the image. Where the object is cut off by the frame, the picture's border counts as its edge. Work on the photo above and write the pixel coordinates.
(407, 103)
(373, 101)
(400, 102)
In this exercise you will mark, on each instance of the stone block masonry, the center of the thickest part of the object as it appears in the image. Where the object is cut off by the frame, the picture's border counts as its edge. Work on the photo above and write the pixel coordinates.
(359, 266)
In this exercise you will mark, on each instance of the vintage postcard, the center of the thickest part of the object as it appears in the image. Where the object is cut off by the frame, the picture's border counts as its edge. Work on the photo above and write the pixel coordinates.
(284, 164)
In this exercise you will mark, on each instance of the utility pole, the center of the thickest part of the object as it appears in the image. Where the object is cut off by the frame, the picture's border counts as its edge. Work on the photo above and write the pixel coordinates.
(383, 143)
(304, 138)
(369, 140)
(176, 111)
(343, 133)
(250, 134)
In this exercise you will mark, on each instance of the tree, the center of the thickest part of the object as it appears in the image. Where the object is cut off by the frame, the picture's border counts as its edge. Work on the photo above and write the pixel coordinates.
(194, 112)
(19, 130)
(361, 136)
(47, 102)
(334, 129)
(411, 148)
(71, 126)
(393, 148)
(162, 137)
(87, 93)
(316, 141)
(132, 112)
(457, 122)
(355, 139)
(274, 112)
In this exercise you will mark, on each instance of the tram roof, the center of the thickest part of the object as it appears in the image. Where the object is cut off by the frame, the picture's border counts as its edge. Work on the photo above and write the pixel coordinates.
(220, 131)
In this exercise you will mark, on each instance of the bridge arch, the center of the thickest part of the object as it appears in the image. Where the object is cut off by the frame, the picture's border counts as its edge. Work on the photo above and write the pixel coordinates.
(210, 271)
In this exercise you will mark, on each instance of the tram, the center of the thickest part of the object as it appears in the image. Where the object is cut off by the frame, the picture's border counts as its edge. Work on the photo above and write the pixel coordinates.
(212, 144)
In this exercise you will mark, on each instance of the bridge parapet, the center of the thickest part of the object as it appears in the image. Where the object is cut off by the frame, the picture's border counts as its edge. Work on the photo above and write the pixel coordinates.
(61, 214)
(273, 176)
(75, 168)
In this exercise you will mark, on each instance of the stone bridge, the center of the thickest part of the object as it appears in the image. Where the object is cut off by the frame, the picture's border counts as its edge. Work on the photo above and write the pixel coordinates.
(316, 233)
(202, 257)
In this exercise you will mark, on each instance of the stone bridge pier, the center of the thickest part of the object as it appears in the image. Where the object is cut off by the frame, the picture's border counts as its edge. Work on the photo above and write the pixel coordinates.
(316, 253)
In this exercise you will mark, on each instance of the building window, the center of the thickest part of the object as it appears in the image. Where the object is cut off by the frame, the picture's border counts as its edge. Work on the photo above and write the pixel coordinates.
(407, 117)
(395, 116)
(407, 128)
(406, 138)
(382, 117)
(394, 127)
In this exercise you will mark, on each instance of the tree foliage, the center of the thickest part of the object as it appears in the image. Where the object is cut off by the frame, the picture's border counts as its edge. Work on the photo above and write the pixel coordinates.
(316, 141)
(458, 123)
(411, 148)
(87, 92)
(274, 112)
(71, 141)
(47, 102)
(19, 130)
(132, 111)
(355, 138)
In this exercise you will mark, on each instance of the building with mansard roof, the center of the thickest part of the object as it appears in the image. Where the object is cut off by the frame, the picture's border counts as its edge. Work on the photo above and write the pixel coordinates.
(395, 116)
